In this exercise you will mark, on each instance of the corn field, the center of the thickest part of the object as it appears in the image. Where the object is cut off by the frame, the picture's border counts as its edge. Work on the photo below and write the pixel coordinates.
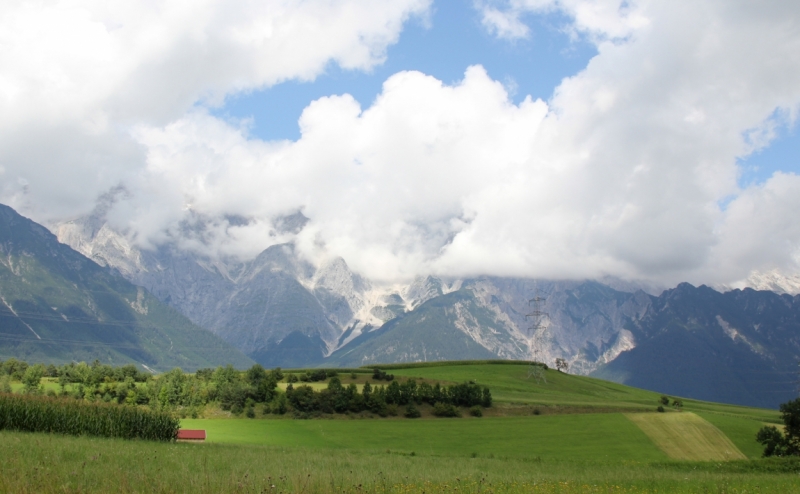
(64, 416)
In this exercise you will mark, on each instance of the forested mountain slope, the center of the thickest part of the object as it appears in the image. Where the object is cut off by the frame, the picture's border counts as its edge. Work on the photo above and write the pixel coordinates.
(58, 306)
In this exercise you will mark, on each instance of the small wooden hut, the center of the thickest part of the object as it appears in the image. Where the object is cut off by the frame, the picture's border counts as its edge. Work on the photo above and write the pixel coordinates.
(191, 435)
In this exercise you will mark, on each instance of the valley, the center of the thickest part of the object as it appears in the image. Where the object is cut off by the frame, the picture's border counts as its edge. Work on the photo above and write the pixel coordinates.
(736, 346)
(587, 436)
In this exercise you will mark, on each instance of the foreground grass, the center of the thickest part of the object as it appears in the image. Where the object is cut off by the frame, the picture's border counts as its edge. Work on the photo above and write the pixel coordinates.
(49, 463)
(580, 442)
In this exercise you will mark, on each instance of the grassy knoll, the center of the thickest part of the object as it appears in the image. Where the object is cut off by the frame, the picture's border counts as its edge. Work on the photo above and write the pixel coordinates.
(43, 463)
(558, 432)
(510, 384)
(686, 436)
(578, 436)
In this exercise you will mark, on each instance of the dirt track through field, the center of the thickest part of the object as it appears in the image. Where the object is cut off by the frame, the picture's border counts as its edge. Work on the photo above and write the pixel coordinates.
(686, 436)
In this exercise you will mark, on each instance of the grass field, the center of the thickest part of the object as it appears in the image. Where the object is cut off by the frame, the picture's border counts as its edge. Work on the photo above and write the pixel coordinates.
(510, 384)
(40, 463)
(570, 435)
(575, 436)
(686, 436)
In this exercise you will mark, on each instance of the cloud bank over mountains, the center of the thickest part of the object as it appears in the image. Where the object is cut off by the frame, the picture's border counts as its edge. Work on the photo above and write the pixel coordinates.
(630, 169)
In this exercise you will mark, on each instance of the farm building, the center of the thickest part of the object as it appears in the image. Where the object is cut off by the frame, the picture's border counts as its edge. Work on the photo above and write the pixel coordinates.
(190, 435)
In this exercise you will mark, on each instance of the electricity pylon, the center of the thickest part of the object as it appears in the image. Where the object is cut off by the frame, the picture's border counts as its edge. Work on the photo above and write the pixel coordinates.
(537, 329)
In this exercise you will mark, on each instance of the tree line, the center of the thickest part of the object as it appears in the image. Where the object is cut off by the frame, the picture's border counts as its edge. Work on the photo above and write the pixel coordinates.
(384, 400)
(244, 391)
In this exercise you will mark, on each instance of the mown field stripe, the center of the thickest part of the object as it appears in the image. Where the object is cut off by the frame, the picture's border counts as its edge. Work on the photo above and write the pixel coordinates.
(686, 436)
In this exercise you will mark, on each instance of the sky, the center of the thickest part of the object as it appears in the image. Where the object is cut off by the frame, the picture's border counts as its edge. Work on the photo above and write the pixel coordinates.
(648, 140)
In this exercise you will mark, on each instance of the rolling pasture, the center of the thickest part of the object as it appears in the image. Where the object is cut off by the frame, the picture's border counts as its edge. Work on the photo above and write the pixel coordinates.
(568, 417)
(571, 434)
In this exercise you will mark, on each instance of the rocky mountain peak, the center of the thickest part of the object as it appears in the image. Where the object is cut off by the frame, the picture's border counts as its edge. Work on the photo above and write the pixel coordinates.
(422, 289)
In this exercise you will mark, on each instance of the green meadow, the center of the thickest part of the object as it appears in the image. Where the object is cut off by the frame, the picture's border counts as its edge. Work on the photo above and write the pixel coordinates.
(574, 436)
(569, 434)
(36, 463)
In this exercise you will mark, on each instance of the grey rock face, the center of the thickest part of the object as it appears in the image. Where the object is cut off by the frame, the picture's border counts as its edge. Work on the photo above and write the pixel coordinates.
(584, 322)
(256, 305)
(278, 309)
(253, 305)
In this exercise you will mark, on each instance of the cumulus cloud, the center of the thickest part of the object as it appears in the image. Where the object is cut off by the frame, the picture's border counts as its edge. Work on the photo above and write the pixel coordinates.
(76, 75)
(622, 172)
(599, 19)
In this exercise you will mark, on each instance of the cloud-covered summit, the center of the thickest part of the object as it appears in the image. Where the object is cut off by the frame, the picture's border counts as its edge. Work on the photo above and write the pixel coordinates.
(629, 169)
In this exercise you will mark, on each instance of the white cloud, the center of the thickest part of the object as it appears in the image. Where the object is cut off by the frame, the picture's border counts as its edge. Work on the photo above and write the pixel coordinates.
(504, 24)
(599, 19)
(760, 228)
(75, 75)
(621, 172)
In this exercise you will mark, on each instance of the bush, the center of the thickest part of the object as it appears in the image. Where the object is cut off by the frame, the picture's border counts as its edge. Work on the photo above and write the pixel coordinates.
(33, 378)
(280, 406)
(61, 416)
(302, 398)
(318, 375)
(772, 440)
(251, 412)
(660, 409)
(380, 375)
(786, 443)
(664, 400)
(445, 410)
(412, 412)
(476, 411)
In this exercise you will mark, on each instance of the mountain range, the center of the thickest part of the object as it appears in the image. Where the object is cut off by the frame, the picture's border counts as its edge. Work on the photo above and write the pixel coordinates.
(58, 306)
(738, 346)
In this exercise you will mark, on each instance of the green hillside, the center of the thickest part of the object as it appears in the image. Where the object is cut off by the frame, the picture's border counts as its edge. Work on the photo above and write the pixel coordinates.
(57, 306)
(429, 332)
(566, 417)
(510, 384)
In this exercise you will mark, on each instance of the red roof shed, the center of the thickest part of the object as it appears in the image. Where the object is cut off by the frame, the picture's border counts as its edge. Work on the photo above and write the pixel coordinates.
(191, 435)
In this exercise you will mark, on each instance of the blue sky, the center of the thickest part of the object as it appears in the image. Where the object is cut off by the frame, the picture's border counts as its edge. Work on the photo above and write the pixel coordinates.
(783, 154)
(443, 46)
(630, 167)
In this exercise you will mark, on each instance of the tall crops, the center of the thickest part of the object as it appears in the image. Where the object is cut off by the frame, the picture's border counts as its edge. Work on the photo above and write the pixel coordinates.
(43, 414)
